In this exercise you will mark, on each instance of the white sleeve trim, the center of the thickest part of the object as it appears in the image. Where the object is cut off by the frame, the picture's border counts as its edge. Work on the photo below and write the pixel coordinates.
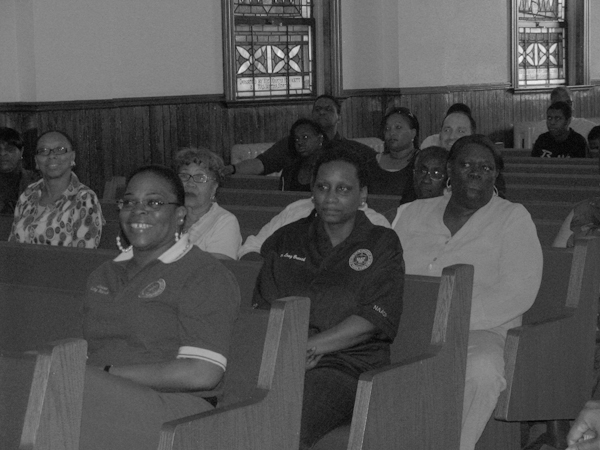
(203, 354)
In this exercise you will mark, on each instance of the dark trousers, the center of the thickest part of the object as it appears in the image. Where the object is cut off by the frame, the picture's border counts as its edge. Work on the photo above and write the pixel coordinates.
(328, 403)
(119, 414)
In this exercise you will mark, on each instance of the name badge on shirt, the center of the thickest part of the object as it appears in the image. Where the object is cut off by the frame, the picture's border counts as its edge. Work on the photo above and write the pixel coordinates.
(361, 259)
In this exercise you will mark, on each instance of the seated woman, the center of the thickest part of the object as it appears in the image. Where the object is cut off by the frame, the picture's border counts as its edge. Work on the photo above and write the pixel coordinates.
(58, 209)
(469, 224)
(353, 273)
(210, 227)
(393, 176)
(14, 178)
(306, 139)
(157, 320)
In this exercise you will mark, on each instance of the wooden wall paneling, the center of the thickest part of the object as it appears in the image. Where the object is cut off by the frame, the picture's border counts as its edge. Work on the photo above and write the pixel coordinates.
(173, 126)
(105, 143)
(183, 129)
(157, 134)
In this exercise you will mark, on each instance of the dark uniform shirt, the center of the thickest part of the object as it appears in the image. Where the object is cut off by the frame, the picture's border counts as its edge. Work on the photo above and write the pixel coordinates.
(363, 276)
(575, 146)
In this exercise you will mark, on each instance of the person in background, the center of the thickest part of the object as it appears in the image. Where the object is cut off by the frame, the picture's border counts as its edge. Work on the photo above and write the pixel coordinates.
(326, 112)
(469, 224)
(594, 140)
(579, 124)
(434, 139)
(307, 138)
(560, 141)
(430, 172)
(394, 173)
(58, 209)
(14, 178)
(157, 319)
(210, 227)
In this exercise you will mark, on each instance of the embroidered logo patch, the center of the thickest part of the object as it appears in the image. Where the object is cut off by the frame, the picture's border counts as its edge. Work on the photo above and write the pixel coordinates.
(154, 289)
(100, 289)
(361, 259)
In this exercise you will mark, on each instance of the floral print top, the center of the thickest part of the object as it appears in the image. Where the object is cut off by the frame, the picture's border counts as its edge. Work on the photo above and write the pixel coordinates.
(74, 220)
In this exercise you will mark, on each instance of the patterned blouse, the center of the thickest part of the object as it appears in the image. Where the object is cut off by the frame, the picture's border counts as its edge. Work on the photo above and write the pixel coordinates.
(74, 220)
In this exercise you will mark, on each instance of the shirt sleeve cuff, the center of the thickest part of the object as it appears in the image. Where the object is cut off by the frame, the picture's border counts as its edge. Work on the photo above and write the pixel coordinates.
(203, 354)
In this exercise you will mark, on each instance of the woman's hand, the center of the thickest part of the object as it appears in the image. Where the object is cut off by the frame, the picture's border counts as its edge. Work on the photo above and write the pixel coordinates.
(312, 359)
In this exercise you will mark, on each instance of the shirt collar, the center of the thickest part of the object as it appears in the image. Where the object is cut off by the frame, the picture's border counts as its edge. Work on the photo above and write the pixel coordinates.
(172, 254)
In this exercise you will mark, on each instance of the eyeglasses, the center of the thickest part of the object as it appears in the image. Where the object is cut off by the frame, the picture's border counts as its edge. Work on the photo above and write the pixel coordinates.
(203, 178)
(53, 151)
(151, 204)
(434, 174)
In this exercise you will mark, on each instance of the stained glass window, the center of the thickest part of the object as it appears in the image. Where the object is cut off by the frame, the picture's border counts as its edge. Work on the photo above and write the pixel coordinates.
(541, 43)
(274, 51)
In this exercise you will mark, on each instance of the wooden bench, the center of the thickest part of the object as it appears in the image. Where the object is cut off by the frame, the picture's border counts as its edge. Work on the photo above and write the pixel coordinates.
(549, 359)
(42, 288)
(263, 385)
(417, 401)
(262, 403)
(41, 395)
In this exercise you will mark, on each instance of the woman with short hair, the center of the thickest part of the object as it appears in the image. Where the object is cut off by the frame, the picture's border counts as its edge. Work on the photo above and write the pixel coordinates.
(471, 224)
(210, 227)
(58, 209)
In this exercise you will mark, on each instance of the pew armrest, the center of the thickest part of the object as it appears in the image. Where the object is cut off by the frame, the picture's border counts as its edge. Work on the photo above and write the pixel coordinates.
(550, 354)
(269, 416)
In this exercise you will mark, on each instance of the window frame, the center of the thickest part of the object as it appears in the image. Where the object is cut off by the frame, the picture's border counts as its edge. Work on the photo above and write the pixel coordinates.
(327, 73)
(577, 46)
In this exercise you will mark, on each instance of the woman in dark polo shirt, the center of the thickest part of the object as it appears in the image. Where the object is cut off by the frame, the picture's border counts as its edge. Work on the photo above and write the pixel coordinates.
(157, 319)
(353, 273)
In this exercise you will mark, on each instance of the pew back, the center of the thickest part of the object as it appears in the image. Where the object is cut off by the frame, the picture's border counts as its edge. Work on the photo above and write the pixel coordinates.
(398, 406)
(41, 395)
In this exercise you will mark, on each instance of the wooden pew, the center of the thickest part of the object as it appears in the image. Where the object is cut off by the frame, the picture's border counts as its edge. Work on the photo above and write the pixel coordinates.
(263, 385)
(417, 401)
(549, 359)
(260, 409)
(41, 395)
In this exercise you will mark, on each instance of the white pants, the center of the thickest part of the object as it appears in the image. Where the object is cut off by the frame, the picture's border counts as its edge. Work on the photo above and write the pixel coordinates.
(483, 383)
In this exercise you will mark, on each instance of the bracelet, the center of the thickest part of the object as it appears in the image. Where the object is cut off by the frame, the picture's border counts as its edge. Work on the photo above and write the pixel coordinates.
(234, 169)
(107, 368)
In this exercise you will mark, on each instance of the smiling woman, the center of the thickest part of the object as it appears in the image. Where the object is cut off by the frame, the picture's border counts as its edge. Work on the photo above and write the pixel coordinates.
(58, 209)
(158, 319)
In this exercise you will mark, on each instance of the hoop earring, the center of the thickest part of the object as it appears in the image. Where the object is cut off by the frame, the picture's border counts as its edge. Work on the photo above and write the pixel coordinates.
(496, 193)
(120, 246)
(448, 186)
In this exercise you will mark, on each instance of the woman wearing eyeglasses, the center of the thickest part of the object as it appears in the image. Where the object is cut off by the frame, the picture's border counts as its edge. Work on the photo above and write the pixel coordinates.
(394, 176)
(210, 227)
(306, 139)
(157, 320)
(58, 209)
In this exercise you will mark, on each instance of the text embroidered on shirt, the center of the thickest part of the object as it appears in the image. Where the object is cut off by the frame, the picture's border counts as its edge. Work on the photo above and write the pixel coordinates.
(294, 257)
(154, 289)
(380, 310)
(361, 259)
(100, 289)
